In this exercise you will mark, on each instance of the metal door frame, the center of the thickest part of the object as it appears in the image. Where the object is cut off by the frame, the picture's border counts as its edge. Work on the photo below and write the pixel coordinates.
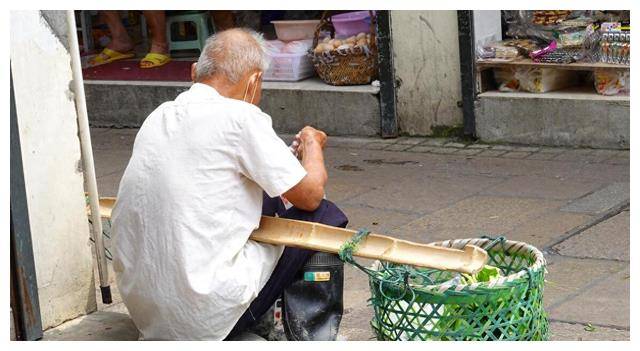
(25, 304)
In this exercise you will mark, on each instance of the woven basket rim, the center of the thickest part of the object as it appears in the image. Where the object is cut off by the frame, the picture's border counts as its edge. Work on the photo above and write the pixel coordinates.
(508, 281)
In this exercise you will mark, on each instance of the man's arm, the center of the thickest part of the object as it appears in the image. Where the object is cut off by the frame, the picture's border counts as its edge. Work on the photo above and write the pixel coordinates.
(309, 192)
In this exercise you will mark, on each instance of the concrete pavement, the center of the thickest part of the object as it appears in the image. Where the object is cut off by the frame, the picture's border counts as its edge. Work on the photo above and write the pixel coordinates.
(571, 203)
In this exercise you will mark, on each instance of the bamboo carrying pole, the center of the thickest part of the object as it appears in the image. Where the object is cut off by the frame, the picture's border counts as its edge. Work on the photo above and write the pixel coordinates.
(320, 237)
(87, 157)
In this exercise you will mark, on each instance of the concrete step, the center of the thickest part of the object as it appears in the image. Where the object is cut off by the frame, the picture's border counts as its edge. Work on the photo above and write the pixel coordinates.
(349, 110)
(576, 117)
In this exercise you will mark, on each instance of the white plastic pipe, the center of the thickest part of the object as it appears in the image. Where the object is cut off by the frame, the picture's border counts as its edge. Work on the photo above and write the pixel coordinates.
(87, 157)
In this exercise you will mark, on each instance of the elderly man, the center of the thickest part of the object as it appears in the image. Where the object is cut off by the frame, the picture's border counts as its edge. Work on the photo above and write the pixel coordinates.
(192, 193)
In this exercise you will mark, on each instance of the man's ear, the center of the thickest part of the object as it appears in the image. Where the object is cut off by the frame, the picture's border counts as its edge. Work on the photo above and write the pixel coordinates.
(193, 72)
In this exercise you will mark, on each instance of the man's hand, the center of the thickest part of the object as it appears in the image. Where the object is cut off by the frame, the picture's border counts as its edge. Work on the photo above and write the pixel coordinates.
(309, 134)
(308, 194)
(310, 138)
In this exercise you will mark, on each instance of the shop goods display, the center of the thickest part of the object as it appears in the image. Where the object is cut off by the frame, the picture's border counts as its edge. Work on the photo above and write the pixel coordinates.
(611, 81)
(345, 61)
(352, 23)
(615, 47)
(295, 30)
(288, 60)
(534, 79)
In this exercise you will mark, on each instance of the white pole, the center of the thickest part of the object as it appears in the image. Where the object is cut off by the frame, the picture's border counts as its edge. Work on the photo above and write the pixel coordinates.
(87, 157)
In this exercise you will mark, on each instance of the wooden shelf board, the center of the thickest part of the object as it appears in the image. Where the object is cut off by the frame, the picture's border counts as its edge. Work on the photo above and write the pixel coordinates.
(579, 66)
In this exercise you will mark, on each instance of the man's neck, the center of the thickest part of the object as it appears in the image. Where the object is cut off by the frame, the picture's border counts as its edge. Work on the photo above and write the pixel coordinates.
(225, 88)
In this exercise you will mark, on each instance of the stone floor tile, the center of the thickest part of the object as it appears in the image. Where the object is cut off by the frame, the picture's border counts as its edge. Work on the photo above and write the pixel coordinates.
(475, 216)
(609, 240)
(605, 303)
(601, 200)
(578, 332)
(542, 187)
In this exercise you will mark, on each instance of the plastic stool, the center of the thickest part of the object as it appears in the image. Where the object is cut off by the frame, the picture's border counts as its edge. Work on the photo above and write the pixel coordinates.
(200, 20)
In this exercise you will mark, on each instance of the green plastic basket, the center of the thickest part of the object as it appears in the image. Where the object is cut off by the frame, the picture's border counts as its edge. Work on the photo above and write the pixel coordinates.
(425, 304)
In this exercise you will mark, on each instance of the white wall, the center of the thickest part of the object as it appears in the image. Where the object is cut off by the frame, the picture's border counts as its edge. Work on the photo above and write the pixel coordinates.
(427, 61)
(52, 168)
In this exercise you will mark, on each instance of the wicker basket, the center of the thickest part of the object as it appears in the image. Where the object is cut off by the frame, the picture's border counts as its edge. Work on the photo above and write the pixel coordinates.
(354, 66)
(426, 304)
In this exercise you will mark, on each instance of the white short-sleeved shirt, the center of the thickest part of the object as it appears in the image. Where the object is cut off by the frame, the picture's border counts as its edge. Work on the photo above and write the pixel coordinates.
(189, 199)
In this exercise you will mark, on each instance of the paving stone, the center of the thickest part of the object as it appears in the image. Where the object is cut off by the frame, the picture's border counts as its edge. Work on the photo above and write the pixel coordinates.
(605, 303)
(101, 325)
(445, 150)
(115, 160)
(553, 150)
(410, 140)
(589, 156)
(349, 142)
(621, 158)
(397, 147)
(603, 155)
(624, 154)
(576, 155)
(469, 152)
(569, 277)
(478, 146)
(576, 332)
(108, 184)
(546, 229)
(516, 154)
(594, 172)
(350, 175)
(618, 161)
(542, 156)
(456, 145)
(423, 149)
(609, 239)
(502, 147)
(344, 187)
(115, 139)
(435, 141)
(357, 316)
(424, 193)
(491, 153)
(601, 200)
(475, 216)
(542, 187)
(526, 148)
(376, 145)
(375, 219)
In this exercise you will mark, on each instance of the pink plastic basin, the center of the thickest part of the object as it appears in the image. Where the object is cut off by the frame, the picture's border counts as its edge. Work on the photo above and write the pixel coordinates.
(351, 23)
(295, 30)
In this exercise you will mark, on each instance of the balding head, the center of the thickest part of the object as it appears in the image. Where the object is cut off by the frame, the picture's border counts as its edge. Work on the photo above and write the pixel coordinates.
(232, 54)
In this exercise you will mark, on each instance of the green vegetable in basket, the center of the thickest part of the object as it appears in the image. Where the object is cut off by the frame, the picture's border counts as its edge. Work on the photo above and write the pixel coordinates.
(486, 274)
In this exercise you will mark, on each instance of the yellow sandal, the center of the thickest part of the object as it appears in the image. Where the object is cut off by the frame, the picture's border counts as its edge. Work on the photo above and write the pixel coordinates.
(107, 56)
(155, 60)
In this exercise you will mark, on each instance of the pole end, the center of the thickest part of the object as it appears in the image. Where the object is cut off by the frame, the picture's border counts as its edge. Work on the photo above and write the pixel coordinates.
(105, 291)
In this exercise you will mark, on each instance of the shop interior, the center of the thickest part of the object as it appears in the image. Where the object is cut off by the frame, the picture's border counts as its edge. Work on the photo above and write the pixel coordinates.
(585, 52)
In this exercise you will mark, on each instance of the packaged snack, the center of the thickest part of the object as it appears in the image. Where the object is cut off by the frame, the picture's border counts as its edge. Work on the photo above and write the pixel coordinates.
(611, 81)
(534, 79)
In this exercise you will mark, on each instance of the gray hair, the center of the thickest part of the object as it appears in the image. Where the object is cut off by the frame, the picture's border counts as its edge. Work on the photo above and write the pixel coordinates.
(232, 53)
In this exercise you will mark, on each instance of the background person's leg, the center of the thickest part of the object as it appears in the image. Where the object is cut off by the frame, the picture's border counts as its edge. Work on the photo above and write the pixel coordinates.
(156, 21)
(120, 40)
(292, 259)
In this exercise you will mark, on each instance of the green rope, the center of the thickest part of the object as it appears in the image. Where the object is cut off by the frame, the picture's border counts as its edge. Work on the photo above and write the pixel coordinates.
(351, 246)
